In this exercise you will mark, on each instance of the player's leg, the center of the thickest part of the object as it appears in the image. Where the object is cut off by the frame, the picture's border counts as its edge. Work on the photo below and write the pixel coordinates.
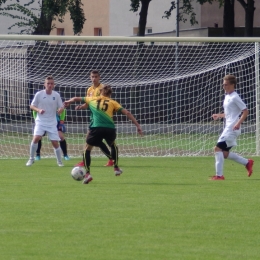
(81, 164)
(38, 132)
(87, 161)
(219, 160)
(114, 154)
(87, 157)
(54, 137)
(248, 163)
(104, 150)
(110, 137)
(107, 153)
(38, 151)
(231, 141)
(63, 145)
(93, 139)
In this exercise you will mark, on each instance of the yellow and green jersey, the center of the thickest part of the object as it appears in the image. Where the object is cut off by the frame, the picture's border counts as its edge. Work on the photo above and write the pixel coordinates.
(102, 110)
(94, 91)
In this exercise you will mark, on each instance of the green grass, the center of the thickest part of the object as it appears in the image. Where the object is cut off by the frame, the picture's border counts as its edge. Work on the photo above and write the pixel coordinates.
(199, 144)
(160, 208)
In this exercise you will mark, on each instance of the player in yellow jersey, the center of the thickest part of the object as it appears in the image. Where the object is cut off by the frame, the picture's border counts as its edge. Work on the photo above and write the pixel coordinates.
(102, 126)
(94, 91)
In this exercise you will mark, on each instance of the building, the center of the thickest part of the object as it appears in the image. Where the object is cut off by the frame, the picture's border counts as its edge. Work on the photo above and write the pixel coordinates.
(114, 18)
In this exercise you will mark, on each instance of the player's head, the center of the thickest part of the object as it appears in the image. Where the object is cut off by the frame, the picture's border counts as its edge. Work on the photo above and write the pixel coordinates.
(106, 91)
(95, 77)
(49, 83)
(229, 83)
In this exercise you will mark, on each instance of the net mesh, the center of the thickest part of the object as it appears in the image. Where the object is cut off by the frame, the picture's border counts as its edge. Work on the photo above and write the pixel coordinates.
(171, 88)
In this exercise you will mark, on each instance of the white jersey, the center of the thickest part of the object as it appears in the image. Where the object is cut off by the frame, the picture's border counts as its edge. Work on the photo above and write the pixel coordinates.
(50, 103)
(233, 107)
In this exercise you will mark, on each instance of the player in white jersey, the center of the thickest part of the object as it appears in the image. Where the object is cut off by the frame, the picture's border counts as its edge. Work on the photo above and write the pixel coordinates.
(46, 103)
(233, 107)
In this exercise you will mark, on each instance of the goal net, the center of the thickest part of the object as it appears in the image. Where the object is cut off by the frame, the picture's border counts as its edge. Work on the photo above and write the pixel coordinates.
(172, 88)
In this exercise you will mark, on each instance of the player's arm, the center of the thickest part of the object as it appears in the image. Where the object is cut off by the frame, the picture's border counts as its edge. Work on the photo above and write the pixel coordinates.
(72, 100)
(84, 106)
(132, 118)
(77, 99)
(37, 110)
(241, 119)
(60, 106)
(218, 116)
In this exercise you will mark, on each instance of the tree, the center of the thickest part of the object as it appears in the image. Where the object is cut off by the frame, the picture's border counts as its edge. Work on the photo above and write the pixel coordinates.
(228, 15)
(229, 18)
(40, 20)
(135, 4)
(249, 7)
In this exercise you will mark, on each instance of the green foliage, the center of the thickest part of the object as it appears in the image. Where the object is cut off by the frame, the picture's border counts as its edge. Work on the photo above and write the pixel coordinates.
(40, 20)
(135, 4)
(185, 8)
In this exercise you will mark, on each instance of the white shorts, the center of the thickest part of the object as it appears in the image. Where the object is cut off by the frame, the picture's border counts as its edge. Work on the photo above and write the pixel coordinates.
(51, 131)
(230, 137)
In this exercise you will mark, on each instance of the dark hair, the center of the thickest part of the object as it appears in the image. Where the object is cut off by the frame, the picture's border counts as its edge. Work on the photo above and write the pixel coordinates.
(94, 72)
(231, 79)
(106, 91)
(49, 78)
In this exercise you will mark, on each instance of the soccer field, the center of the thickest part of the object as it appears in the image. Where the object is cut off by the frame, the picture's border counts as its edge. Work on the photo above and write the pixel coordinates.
(159, 208)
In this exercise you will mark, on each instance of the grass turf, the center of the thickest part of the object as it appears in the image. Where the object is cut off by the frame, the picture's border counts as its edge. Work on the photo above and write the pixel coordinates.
(160, 208)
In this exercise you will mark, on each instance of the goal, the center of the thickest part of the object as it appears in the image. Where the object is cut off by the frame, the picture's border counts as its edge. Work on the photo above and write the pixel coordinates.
(171, 85)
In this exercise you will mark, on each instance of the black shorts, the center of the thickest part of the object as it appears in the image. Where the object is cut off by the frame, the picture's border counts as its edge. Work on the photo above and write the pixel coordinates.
(97, 134)
(59, 128)
(223, 146)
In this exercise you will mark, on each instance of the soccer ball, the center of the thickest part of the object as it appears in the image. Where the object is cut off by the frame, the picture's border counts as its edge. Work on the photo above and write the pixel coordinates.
(78, 173)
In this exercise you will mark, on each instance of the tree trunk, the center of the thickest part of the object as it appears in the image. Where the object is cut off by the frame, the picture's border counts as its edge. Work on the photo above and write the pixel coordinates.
(229, 18)
(143, 17)
(249, 18)
(45, 22)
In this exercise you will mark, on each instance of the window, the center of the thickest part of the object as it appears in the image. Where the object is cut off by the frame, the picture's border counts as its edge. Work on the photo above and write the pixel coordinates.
(147, 30)
(60, 31)
(97, 31)
(135, 30)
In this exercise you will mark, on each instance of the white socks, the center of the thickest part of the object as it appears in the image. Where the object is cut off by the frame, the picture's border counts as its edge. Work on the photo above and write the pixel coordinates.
(33, 149)
(219, 162)
(237, 158)
(58, 154)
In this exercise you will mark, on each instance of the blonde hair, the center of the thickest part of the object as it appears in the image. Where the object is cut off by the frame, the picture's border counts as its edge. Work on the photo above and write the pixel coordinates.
(231, 79)
(49, 78)
(106, 90)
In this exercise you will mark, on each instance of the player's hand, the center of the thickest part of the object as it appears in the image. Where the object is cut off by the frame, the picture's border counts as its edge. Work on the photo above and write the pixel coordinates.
(236, 126)
(59, 111)
(41, 111)
(66, 103)
(215, 116)
(139, 130)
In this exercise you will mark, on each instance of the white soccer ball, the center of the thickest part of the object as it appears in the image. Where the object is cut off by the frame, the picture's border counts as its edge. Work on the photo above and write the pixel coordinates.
(78, 173)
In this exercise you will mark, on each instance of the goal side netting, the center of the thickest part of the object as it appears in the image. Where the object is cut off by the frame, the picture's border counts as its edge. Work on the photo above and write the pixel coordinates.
(172, 88)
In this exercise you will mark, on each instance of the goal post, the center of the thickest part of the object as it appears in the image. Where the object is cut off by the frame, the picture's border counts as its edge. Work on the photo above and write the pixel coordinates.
(172, 85)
